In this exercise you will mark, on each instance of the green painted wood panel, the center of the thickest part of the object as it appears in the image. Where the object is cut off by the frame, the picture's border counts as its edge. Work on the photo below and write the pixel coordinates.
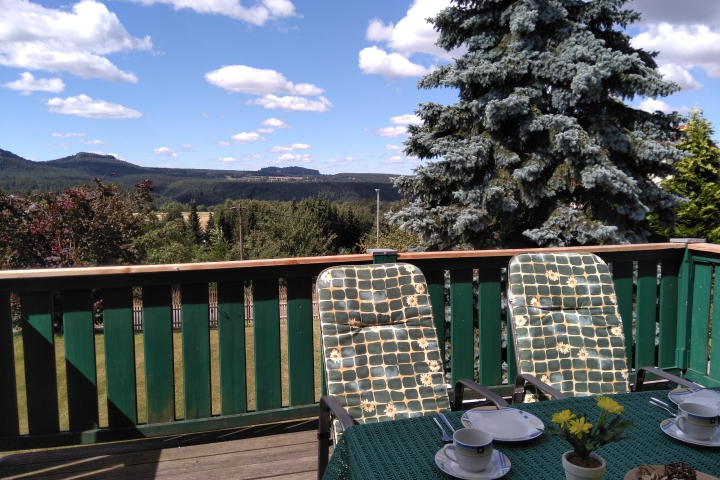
(462, 356)
(8, 397)
(668, 313)
(436, 289)
(489, 326)
(647, 296)
(119, 356)
(384, 258)
(195, 310)
(231, 333)
(715, 340)
(39, 354)
(684, 318)
(700, 318)
(79, 333)
(158, 346)
(301, 361)
(623, 279)
(268, 394)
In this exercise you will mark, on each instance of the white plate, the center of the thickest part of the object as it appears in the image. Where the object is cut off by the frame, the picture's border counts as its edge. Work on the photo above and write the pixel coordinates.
(668, 426)
(708, 397)
(504, 424)
(499, 466)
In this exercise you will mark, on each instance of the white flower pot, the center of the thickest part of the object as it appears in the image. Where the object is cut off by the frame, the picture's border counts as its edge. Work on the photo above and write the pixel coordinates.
(574, 472)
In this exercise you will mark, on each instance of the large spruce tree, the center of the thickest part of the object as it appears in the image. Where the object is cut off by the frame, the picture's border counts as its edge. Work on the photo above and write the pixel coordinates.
(540, 148)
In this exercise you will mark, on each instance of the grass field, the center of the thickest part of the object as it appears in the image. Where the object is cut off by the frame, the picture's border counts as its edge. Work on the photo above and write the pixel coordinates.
(140, 374)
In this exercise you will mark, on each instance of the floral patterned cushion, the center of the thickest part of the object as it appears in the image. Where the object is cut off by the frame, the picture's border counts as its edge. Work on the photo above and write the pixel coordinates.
(380, 348)
(566, 325)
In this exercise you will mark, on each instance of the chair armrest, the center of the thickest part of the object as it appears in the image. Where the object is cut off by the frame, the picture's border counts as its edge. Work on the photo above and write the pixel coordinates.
(329, 404)
(640, 378)
(519, 393)
(485, 392)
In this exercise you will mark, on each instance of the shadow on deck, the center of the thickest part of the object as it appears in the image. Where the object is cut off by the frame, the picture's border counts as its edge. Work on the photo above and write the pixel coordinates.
(284, 450)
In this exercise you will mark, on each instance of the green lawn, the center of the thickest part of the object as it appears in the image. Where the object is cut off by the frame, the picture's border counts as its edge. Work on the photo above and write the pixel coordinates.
(140, 374)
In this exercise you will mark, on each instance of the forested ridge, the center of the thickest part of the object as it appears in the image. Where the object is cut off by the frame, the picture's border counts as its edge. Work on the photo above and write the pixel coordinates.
(205, 186)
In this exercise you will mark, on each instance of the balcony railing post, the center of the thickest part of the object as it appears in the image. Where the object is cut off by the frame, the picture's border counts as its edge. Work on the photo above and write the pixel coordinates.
(685, 288)
(383, 255)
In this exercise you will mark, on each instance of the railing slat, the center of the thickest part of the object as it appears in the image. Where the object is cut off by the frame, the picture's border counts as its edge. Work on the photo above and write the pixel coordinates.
(268, 394)
(489, 314)
(715, 341)
(158, 344)
(700, 316)
(645, 322)
(119, 356)
(39, 348)
(623, 279)
(301, 364)
(196, 350)
(668, 313)
(231, 333)
(436, 289)
(9, 425)
(79, 336)
(461, 325)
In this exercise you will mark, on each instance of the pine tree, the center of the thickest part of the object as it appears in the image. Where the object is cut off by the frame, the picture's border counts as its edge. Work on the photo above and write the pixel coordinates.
(540, 148)
(697, 180)
(195, 227)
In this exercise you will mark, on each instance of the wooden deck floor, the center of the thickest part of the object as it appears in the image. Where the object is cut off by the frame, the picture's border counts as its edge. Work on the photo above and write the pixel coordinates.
(287, 451)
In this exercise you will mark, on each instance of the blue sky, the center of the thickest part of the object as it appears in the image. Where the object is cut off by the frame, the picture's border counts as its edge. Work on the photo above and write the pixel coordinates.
(230, 84)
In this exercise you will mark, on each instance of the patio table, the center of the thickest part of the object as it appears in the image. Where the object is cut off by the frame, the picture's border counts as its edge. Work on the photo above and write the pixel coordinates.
(405, 449)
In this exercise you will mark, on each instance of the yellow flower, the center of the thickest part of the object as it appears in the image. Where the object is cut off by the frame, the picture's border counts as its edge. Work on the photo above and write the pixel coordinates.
(580, 426)
(563, 417)
(613, 298)
(410, 268)
(610, 405)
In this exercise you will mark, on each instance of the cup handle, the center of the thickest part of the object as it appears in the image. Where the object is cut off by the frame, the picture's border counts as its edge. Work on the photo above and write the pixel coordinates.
(680, 423)
(448, 449)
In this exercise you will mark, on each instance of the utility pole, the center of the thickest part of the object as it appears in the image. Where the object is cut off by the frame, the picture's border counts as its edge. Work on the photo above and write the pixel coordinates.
(377, 219)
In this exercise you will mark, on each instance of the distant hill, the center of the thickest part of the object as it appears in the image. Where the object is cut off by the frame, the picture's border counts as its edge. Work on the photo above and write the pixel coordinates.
(208, 187)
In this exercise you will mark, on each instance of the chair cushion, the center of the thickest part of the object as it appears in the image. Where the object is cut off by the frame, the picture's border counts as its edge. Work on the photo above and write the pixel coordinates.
(566, 325)
(380, 349)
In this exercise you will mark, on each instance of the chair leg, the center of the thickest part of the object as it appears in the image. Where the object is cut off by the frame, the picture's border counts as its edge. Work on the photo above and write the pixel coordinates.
(323, 436)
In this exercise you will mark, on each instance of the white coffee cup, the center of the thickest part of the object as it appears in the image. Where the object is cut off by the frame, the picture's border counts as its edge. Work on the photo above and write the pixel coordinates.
(697, 420)
(472, 449)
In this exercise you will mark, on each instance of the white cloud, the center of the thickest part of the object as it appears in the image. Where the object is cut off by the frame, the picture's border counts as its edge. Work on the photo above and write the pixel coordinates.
(288, 157)
(376, 61)
(396, 159)
(692, 13)
(679, 75)
(258, 14)
(227, 159)
(68, 134)
(92, 142)
(265, 130)
(391, 132)
(28, 84)
(406, 120)
(685, 46)
(256, 81)
(84, 106)
(652, 105)
(289, 148)
(275, 123)
(253, 156)
(396, 148)
(293, 104)
(222, 144)
(247, 137)
(37, 38)
(165, 151)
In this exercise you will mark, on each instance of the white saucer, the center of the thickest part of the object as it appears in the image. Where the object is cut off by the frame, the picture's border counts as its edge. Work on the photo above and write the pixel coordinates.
(705, 396)
(499, 466)
(668, 426)
(504, 424)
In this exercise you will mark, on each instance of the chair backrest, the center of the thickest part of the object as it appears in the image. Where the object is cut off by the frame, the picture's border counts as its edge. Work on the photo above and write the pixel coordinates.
(380, 349)
(565, 322)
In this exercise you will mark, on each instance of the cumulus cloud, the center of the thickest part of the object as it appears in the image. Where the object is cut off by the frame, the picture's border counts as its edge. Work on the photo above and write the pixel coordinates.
(256, 81)
(289, 148)
(76, 41)
(247, 137)
(652, 105)
(692, 13)
(257, 14)
(28, 84)
(165, 151)
(396, 148)
(679, 75)
(84, 106)
(253, 156)
(406, 120)
(226, 159)
(68, 135)
(293, 104)
(92, 142)
(395, 159)
(391, 132)
(275, 123)
(376, 61)
(289, 157)
(265, 130)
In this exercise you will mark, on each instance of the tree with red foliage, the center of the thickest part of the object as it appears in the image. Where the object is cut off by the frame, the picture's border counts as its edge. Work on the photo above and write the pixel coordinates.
(83, 226)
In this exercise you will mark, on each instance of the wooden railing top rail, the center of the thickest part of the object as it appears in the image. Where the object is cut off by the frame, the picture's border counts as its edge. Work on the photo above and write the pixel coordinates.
(704, 247)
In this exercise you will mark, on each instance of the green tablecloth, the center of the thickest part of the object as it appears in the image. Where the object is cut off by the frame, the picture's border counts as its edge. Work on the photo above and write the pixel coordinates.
(405, 449)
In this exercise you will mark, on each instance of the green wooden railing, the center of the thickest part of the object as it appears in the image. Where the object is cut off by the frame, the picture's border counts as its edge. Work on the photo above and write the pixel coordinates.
(681, 305)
